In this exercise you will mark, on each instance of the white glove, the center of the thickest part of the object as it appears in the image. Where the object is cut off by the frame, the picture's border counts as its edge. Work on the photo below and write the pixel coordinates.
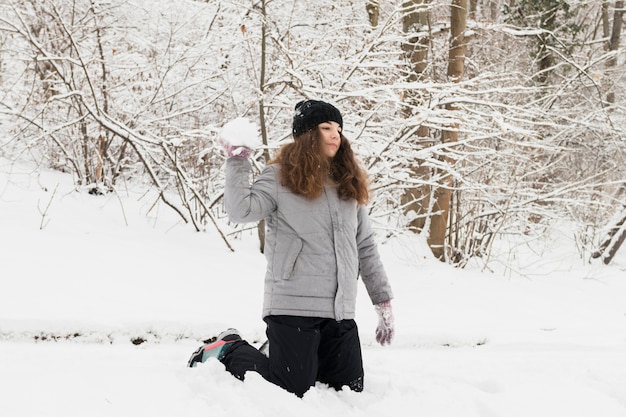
(385, 330)
(235, 151)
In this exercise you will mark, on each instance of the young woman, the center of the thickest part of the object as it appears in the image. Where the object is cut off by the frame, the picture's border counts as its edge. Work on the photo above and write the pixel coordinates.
(318, 241)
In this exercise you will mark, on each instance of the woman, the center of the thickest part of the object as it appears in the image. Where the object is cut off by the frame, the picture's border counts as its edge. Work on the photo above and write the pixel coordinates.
(318, 241)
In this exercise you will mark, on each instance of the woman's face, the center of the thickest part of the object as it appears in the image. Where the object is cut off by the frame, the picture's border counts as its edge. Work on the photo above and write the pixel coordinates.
(330, 138)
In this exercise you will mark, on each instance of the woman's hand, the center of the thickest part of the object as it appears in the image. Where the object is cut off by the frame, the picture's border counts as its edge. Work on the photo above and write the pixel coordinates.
(385, 330)
(235, 151)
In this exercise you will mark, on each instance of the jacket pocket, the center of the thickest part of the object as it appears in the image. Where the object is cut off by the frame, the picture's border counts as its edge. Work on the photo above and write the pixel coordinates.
(285, 258)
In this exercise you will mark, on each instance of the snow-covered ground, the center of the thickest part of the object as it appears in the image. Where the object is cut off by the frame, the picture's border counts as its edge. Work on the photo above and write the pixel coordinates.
(102, 301)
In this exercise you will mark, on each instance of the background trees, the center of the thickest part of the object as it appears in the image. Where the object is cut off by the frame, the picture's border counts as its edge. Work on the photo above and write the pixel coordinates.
(474, 126)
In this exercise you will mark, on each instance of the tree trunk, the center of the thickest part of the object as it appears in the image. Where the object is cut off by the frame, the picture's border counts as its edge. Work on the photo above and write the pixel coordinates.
(612, 242)
(416, 20)
(261, 225)
(613, 43)
(458, 45)
(473, 7)
(456, 67)
(373, 12)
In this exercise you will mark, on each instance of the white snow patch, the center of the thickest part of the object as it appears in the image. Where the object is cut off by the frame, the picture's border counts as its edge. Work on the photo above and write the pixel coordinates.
(83, 284)
(241, 132)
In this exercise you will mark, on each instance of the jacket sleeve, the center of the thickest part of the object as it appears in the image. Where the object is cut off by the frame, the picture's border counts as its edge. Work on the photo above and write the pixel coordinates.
(247, 203)
(371, 268)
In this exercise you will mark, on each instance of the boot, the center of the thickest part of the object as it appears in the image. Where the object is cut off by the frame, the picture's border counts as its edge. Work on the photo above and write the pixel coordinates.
(216, 349)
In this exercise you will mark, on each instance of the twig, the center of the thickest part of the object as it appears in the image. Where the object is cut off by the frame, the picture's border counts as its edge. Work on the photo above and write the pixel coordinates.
(43, 222)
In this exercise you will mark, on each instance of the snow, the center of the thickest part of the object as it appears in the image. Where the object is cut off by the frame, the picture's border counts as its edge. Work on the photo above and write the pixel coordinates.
(84, 276)
(241, 132)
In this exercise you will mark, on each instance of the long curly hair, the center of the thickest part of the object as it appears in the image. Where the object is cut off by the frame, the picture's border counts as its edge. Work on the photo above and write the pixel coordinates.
(305, 170)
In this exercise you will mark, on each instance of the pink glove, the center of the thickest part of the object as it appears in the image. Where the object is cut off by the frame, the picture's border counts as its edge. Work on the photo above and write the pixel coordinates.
(384, 331)
(235, 151)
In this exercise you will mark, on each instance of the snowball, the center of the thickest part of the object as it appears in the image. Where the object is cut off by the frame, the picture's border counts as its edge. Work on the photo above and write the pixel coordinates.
(241, 132)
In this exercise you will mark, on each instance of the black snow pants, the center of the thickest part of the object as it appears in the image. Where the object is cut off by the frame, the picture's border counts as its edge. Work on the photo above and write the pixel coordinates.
(303, 350)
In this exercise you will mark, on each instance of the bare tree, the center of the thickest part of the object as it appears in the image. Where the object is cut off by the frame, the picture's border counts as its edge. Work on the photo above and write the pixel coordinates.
(416, 28)
(612, 32)
(456, 68)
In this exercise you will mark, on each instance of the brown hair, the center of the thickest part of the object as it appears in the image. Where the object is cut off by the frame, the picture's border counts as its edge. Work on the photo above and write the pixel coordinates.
(305, 170)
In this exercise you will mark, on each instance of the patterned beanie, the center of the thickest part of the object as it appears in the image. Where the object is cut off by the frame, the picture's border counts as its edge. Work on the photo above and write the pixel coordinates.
(310, 113)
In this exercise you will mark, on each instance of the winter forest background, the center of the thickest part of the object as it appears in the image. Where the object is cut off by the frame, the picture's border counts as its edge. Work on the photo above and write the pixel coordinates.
(478, 121)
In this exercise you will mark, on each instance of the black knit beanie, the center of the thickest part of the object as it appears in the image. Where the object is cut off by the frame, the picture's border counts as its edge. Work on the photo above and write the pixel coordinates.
(310, 113)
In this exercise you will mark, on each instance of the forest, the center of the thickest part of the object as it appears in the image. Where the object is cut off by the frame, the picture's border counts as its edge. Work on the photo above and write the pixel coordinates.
(478, 121)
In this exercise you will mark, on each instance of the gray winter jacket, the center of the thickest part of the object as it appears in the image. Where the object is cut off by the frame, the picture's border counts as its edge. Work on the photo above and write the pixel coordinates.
(315, 249)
